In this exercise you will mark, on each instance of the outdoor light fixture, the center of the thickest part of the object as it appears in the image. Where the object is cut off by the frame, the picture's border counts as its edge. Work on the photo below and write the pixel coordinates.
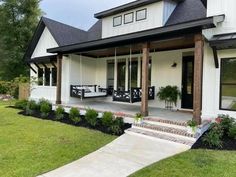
(174, 65)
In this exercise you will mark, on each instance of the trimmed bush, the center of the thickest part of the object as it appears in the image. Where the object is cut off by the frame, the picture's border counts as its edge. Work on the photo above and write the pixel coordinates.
(232, 131)
(45, 108)
(21, 104)
(117, 127)
(59, 112)
(107, 119)
(74, 115)
(91, 117)
(31, 107)
(226, 123)
(213, 137)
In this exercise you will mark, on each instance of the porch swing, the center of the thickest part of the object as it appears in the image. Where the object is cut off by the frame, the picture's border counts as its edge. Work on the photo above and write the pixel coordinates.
(86, 91)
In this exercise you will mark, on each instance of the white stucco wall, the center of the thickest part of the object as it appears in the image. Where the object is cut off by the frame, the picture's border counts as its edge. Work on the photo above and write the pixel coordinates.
(45, 42)
(154, 20)
(211, 83)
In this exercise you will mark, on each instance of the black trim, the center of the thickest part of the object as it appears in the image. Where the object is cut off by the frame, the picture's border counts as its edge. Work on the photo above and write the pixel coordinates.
(120, 16)
(216, 59)
(47, 59)
(132, 18)
(145, 9)
(161, 33)
(126, 7)
(32, 68)
(220, 97)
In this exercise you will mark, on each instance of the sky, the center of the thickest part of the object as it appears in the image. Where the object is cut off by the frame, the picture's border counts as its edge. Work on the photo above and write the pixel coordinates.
(78, 13)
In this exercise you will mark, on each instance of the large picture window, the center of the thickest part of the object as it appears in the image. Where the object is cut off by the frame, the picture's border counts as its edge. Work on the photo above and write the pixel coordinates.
(121, 76)
(134, 74)
(47, 77)
(228, 84)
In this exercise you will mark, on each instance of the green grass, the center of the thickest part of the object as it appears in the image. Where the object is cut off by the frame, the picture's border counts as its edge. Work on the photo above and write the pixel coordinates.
(194, 163)
(29, 147)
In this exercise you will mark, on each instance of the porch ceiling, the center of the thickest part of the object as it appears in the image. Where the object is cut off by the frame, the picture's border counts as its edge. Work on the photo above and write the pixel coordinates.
(160, 45)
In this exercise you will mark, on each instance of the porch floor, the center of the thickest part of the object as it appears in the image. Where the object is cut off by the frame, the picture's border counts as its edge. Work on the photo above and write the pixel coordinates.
(130, 109)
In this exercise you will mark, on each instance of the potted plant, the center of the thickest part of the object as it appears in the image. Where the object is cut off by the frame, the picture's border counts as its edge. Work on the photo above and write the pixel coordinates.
(170, 95)
(192, 126)
(138, 118)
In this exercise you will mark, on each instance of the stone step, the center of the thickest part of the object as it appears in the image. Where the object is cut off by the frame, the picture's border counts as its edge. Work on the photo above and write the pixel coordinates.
(161, 128)
(163, 136)
(172, 122)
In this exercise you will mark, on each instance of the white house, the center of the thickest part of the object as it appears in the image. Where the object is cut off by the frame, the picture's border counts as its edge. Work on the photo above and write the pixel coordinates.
(135, 49)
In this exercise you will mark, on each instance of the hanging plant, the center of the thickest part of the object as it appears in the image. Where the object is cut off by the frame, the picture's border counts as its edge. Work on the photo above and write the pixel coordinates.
(170, 95)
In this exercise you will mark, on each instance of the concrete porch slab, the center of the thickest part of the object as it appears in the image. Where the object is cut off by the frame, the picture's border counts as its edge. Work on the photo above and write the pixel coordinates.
(122, 157)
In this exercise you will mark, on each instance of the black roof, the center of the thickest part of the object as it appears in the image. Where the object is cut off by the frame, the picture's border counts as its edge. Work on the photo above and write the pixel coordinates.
(223, 41)
(187, 10)
(126, 7)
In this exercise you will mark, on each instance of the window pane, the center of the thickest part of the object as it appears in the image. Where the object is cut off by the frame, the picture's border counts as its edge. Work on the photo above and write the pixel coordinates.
(128, 18)
(117, 21)
(40, 76)
(141, 14)
(134, 73)
(228, 84)
(121, 76)
(54, 77)
(47, 77)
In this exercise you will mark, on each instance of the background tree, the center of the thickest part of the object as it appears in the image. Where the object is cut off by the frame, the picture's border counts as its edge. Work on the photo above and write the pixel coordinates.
(18, 21)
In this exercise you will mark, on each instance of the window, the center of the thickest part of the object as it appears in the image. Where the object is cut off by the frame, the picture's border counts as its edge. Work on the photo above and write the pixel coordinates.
(228, 84)
(40, 76)
(128, 18)
(134, 74)
(54, 77)
(47, 76)
(117, 21)
(121, 72)
(141, 14)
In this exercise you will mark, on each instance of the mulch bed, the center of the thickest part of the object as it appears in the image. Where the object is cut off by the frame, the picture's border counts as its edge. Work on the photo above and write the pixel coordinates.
(228, 144)
(82, 123)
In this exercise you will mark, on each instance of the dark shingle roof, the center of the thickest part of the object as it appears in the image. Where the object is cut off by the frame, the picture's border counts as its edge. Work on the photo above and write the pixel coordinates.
(187, 10)
(64, 34)
(95, 32)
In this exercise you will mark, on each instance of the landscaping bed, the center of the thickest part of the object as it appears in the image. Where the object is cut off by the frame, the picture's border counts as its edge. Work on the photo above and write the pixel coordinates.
(108, 123)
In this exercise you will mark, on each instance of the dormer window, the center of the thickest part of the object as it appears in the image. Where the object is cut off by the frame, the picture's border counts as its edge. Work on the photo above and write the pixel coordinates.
(128, 18)
(117, 21)
(141, 14)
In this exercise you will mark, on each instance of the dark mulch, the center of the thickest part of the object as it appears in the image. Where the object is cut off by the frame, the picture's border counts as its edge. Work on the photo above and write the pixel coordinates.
(82, 123)
(228, 144)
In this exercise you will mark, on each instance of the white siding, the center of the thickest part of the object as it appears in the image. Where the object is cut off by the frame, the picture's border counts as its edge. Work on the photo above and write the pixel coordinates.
(45, 42)
(211, 83)
(218, 7)
(154, 20)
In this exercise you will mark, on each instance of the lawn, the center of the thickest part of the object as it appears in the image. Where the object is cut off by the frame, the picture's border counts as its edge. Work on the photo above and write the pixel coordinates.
(194, 163)
(29, 146)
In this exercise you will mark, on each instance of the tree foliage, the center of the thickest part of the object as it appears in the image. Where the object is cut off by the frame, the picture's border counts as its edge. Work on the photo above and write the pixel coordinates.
(18, 21)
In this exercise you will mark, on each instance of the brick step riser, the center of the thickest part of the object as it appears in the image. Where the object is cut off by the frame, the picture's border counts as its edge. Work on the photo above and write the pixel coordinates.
(165, 125)
(171, 122)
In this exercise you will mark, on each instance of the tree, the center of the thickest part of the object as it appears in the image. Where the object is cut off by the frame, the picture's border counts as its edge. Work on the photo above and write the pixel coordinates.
(18, 21)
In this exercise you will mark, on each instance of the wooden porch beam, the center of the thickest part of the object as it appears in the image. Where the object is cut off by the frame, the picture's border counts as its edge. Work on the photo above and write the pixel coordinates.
(59, 76)
(198, 70)
(145, 63)
(32, 68)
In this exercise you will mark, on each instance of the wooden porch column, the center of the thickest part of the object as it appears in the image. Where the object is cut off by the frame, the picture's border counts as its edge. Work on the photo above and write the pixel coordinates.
(198, 70)
(145, 63)
(59, 73)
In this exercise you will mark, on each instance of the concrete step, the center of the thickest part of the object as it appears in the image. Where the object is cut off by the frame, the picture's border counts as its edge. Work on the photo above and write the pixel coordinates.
(163, 128)
(159, 135)
(165, 121)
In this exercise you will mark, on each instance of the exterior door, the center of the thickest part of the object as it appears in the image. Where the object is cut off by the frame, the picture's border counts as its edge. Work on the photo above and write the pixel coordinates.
(187, 82)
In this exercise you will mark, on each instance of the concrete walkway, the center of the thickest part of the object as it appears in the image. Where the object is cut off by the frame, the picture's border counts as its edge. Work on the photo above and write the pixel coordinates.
(122, 157)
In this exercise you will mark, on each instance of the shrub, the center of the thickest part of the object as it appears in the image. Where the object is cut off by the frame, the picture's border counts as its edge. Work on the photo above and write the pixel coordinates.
(226, 123)
(107, 119)
(74, 115)
(31, 107)
(45, 107)
(91, 117)
(213, 137)
(21, 104)
(59, 113)
(117, 127)
(192, 123)
(232, 131)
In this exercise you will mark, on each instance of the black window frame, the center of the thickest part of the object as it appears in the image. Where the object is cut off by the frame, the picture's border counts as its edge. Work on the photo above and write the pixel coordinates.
(132, 17)
(221, 85)
(119, 16)
(40, 77)
(145, 9)
(47, 77)
(53, 74)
